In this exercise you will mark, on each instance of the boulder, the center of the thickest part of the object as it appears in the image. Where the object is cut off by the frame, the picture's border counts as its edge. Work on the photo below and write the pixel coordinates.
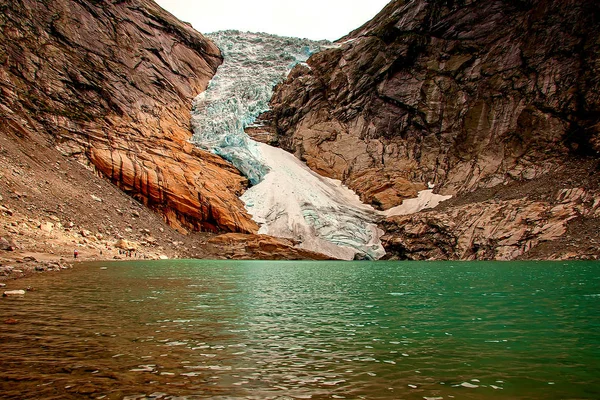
(7, 244)
(85, 233)
(6, 210)
(47, 227)
(126, 245)
(19, 292)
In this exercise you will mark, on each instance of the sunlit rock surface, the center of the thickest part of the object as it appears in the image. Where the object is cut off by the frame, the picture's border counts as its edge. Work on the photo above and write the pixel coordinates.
(110, 83)
(287, 199)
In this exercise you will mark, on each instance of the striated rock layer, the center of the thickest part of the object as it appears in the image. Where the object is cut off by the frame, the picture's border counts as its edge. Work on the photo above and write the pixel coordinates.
(111, 84)
(466, 95)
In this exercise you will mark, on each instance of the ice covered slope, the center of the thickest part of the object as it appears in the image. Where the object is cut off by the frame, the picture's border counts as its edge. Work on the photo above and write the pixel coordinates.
(293, 201)
(287, 199)
(253, 64)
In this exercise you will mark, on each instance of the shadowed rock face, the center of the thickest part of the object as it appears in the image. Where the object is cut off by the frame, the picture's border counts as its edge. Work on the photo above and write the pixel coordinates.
(475, 96)
(111, 83)
(464, 94)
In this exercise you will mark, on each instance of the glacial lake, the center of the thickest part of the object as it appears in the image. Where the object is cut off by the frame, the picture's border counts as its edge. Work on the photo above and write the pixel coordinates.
(195, 329)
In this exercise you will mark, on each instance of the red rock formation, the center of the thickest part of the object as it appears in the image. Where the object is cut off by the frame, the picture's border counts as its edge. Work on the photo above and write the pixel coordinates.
(111, 83)
(262, 247)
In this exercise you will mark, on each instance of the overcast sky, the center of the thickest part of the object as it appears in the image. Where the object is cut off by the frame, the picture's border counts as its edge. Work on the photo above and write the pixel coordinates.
(312, 19)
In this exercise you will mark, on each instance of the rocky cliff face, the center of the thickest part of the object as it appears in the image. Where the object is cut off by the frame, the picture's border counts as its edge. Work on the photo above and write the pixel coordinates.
(468, 95)
(554, 217)
(111, 83)
(465, 96)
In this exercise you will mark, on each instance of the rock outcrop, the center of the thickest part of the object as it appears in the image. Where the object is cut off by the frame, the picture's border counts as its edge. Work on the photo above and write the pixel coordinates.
(553, 217)
(111, 84)
(469, 95)
(495, 229)
(463, 94)
(241, 246)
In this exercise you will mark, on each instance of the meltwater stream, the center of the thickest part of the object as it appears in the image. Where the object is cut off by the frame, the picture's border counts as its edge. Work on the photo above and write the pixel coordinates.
(287, 199)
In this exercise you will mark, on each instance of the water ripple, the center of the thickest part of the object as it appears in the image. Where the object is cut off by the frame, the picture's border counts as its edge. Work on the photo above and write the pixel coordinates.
(260, 330)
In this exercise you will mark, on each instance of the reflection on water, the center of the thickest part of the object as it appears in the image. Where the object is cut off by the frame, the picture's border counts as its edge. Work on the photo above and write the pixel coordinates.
(259, 330)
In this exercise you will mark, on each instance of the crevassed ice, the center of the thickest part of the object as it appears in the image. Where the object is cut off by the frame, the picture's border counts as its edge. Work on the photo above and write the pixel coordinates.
(287, 199)
(293, 201)
(240, 91)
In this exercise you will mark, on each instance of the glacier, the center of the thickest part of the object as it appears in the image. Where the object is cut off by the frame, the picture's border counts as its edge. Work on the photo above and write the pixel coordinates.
(294, 202)
(241, 90)
(286, 198)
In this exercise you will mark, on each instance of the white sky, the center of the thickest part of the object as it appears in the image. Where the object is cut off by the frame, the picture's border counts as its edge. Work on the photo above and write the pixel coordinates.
(312, 19)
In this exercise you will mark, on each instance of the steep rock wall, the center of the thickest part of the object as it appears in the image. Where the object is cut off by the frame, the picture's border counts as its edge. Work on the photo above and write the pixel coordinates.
(111, 83)
(464, 94)
(495, 102)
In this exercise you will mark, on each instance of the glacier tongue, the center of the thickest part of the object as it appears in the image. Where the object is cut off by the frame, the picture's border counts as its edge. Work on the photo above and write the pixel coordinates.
(287, 199)
(294, 202)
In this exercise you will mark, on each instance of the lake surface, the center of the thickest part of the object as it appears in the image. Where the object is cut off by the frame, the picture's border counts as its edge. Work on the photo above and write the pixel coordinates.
(286, 330)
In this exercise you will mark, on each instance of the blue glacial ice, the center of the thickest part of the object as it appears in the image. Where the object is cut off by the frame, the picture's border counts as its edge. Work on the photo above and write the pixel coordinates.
(287, 199)
(240, 91)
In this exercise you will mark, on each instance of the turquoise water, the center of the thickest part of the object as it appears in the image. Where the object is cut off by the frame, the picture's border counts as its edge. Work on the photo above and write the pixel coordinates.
(281, 330)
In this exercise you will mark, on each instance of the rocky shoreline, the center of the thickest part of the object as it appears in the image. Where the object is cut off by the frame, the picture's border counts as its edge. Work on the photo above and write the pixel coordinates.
(23, 267)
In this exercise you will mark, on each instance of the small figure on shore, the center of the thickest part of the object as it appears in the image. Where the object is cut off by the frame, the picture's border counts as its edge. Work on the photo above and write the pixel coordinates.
(75, 254)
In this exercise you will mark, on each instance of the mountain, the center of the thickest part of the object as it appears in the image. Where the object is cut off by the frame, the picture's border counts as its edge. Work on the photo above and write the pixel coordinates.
(110, 83)
(94, 131)
(494, 102)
